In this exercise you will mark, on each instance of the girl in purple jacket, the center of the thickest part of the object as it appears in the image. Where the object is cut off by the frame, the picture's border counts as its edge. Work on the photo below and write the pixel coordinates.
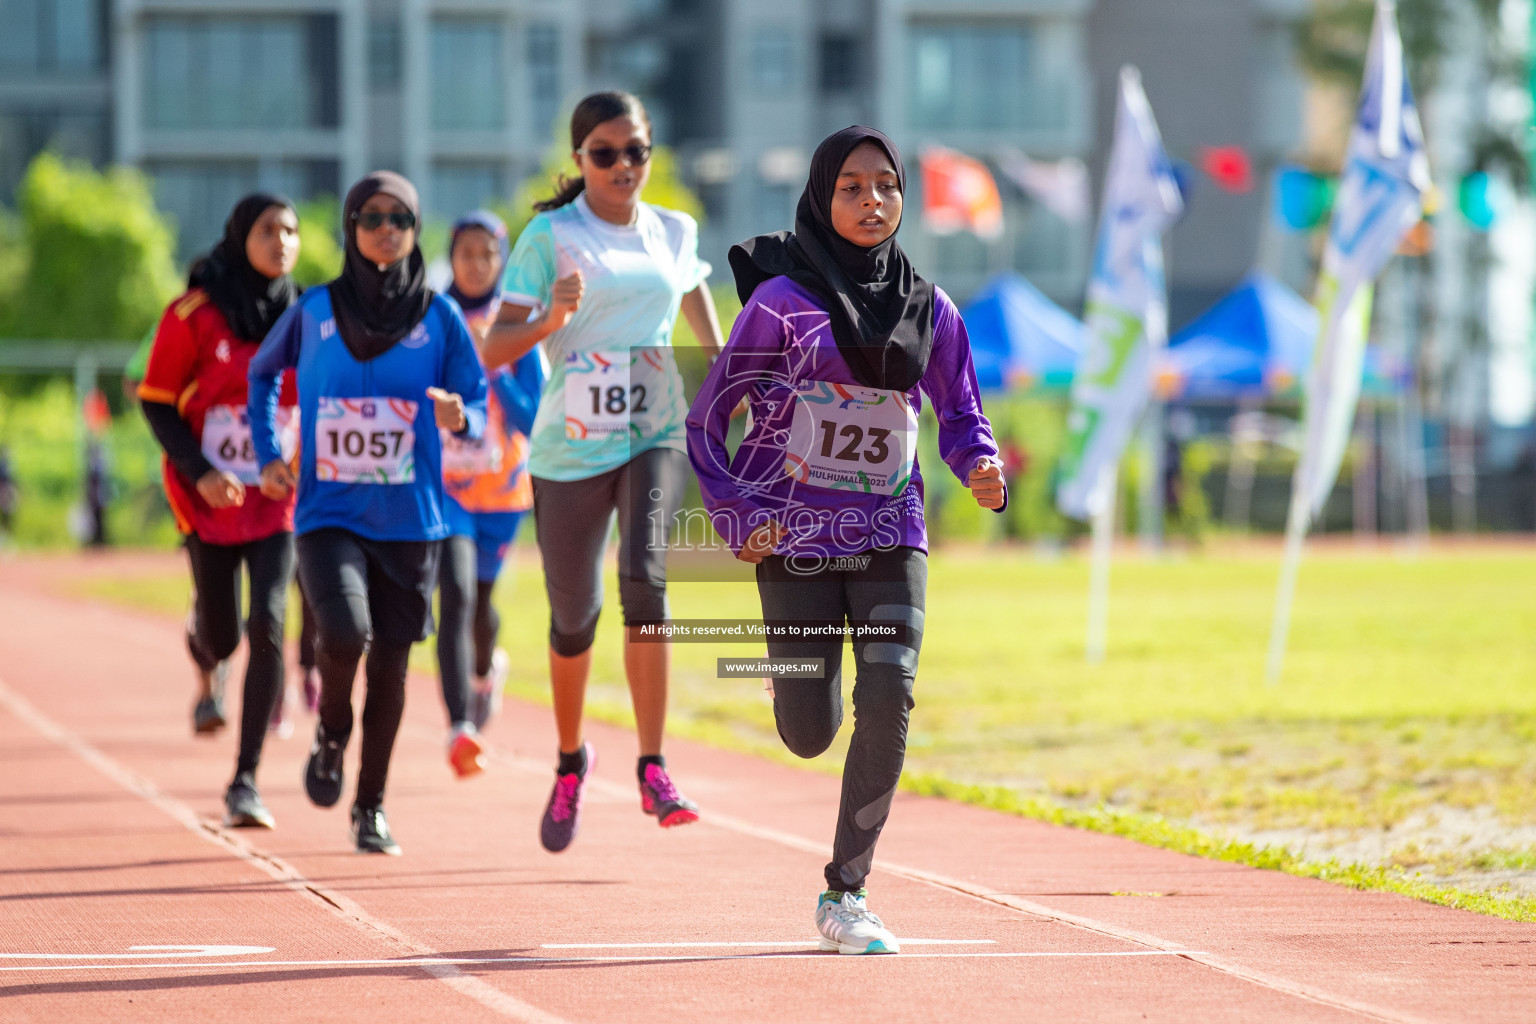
(836, 344)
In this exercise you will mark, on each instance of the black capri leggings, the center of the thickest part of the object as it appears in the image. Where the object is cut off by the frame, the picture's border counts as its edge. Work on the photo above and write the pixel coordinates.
(887, 590)
(462, 597)
(574, 517)
(369, 598)
(216, 624)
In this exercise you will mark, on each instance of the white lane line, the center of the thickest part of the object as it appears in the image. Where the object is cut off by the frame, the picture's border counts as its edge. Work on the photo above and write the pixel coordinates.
(744, 945)
(149, 952)
(1300, 990)
(545, 961)
(333, 902)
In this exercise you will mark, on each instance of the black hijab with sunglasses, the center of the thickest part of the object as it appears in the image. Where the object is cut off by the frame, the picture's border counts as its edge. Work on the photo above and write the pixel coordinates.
(377, 307)
(250, 301)
(881, 311)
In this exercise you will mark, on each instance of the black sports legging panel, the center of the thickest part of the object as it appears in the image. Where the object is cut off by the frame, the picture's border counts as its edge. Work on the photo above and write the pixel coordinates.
(306, 631)
(370, 598)
(455, 607)
(467, 625)
(487, 626)
(888, 590)
(217, 626)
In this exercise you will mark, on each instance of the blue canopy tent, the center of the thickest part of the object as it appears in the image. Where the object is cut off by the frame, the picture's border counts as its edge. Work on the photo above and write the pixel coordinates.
(1021, 339)
(1257, 341)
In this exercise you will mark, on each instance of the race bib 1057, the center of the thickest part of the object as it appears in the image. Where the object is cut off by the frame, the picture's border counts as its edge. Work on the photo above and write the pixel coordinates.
(849, 438)
(227, 440)
(365, 440)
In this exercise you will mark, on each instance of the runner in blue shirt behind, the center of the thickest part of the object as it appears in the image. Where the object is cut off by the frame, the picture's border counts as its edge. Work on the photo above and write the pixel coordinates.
(382, 362)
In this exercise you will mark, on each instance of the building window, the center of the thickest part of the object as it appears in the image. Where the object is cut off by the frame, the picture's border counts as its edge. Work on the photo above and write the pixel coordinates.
(978, 76)
(240, 73)
(775, 206)
(386, 62)
(771, 61)
(200, 193)
(839, 63)
(469, 75)
(544, 77)
(51, 36)
(26, 133)
(460, 186)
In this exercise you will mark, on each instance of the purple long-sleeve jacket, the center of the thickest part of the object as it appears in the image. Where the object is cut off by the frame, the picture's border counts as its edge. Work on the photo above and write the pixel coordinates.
(782, 357)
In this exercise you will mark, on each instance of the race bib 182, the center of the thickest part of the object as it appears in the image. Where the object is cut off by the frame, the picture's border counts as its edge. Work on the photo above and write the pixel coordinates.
(365, 440)
(227, 440)
(608, 393)
(850, 438)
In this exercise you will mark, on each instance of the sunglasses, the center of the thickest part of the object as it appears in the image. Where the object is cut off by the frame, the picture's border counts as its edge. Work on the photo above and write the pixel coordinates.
(402, 221)
(606, 156)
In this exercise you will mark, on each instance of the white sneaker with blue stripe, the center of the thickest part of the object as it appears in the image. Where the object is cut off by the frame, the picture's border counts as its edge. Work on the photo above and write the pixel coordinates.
(846, 925)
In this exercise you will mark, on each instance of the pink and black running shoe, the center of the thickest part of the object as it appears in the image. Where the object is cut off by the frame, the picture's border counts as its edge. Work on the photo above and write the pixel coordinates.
(659, 797)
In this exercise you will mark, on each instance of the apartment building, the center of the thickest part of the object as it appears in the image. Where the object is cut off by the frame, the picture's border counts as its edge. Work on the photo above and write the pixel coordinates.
(214, 98)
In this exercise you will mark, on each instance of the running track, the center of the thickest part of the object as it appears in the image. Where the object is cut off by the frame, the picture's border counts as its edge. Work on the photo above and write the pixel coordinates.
(109, 847)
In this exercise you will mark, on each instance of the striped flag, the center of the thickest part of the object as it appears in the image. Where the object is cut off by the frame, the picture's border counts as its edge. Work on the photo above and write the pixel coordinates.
(1127, 309)
(1380, 199)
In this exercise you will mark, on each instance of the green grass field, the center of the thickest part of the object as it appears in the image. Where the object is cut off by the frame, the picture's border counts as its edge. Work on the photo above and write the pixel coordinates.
(1397, 751)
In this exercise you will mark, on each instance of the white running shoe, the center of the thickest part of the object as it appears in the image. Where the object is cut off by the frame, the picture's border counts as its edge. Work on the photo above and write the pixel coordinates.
(847, 925)
(485, 695)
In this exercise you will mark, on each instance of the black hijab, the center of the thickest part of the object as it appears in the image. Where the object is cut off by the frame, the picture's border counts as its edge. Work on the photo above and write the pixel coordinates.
(376, 308)
(250, 301)
(881, 311)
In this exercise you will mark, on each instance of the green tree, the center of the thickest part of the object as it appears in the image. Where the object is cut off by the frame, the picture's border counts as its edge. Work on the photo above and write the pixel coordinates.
(99, 256)
(1333, 39)
(319, 251)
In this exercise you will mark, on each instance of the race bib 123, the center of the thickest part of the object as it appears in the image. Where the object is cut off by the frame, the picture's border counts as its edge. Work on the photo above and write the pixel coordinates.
(850, 438)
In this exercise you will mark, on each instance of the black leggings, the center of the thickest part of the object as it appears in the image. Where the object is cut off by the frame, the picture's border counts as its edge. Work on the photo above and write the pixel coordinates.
(369, 598)
(306, 631)
(216, 625)
(887, 590)
(467, 625)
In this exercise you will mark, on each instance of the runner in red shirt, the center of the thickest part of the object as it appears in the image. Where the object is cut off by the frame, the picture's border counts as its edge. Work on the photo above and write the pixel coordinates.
(194, 397)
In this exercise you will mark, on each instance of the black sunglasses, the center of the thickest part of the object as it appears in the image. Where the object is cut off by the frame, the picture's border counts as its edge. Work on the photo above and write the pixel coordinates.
(371, 221)
(606, 156)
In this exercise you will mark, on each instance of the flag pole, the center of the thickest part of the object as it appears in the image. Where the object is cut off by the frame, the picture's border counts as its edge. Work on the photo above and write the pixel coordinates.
(1295, 539)
(1098, 571)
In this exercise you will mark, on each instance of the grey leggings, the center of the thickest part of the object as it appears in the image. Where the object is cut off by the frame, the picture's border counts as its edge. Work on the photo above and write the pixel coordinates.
(574, 518)
(888, 590)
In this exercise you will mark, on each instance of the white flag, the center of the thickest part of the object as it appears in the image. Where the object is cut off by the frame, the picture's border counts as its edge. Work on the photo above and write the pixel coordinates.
(1061, 186)
(1127, 309)
(1380, 199)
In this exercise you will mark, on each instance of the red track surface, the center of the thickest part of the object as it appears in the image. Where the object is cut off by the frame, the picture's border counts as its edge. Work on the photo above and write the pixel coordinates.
(109, 840)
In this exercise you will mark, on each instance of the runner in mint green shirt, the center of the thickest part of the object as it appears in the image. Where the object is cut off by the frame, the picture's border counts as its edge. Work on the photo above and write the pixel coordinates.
(599, 277)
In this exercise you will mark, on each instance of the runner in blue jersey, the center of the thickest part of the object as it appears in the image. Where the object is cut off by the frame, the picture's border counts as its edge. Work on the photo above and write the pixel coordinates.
(381, 362)
(488, 493)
